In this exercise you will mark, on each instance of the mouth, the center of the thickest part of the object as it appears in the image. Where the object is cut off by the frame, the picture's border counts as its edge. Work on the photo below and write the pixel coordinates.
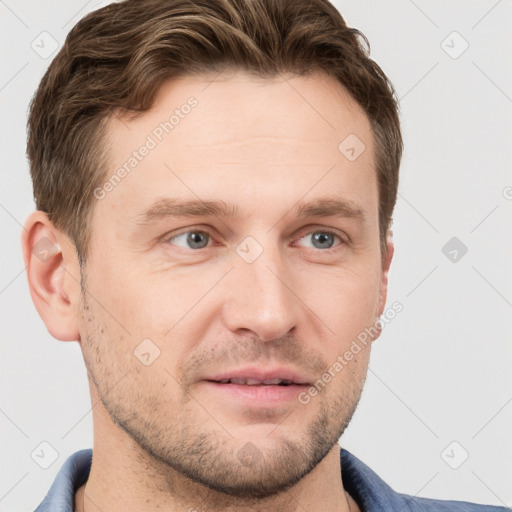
(255, 382)
(256, 388)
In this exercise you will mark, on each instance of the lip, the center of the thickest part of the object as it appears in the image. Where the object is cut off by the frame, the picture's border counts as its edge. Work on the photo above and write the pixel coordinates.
(257, 395)
(260, 374)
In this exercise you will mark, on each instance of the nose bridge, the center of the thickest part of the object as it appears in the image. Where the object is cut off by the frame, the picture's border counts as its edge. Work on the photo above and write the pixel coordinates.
(260, 298)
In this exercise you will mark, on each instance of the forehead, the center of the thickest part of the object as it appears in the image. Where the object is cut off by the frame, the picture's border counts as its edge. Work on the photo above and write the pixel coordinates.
(238, 136)
(235, 105)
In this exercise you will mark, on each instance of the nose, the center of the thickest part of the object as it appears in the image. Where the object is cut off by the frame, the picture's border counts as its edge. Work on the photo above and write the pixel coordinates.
(260, 299)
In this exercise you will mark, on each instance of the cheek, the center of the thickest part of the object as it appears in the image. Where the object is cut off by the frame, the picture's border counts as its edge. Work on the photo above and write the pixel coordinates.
(144, 304)
(114, 356)
(346, 300)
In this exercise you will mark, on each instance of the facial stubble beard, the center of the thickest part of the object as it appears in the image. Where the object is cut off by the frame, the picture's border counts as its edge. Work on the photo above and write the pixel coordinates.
(202, 454)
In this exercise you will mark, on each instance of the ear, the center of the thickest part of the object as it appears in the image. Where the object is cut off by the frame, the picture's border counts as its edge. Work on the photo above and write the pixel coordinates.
(386, 263)
(53, 275)
(383, 288)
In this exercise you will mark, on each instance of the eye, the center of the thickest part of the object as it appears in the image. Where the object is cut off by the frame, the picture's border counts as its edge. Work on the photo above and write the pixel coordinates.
(322, 239)
(190, 240)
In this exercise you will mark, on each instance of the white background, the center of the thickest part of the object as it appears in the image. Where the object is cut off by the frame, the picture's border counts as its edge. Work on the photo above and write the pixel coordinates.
(441, 370)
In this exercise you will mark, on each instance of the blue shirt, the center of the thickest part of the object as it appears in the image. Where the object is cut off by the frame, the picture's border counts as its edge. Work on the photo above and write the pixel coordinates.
(369, 491)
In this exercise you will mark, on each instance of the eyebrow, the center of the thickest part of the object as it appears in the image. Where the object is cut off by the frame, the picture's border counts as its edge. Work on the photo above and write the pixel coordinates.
(328, 207)
(172, 207)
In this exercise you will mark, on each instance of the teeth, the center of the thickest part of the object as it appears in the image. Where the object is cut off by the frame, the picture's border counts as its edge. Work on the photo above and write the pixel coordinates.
(272, 381)
(237, 381)
(246, 382)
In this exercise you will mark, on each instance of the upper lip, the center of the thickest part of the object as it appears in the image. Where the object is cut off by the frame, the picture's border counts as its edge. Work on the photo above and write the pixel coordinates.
(261, 375)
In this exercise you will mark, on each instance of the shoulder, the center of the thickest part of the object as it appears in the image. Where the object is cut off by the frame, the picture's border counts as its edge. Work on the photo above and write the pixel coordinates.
(413, 504)
(372, 494)
(73, 473)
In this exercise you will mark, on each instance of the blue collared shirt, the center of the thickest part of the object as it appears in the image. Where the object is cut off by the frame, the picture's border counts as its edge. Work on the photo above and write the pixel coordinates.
(369, 491)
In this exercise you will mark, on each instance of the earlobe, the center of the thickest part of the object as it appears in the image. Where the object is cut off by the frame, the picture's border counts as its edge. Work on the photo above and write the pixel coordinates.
(53, 275)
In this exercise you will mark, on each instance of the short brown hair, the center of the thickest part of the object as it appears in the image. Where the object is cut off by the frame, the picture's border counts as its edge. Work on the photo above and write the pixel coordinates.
(116, 58)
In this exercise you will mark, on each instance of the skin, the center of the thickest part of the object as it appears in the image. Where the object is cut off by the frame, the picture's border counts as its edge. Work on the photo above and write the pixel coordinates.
(163, 438)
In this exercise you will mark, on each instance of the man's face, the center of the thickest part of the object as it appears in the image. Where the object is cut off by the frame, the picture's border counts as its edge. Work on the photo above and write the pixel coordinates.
(174, 304)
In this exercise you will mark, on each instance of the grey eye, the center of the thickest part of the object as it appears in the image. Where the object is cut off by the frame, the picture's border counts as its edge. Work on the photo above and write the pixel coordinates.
(321, 239)
(191, 240)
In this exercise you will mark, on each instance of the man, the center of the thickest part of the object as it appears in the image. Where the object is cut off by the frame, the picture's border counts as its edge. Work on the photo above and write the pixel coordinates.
(216, 244)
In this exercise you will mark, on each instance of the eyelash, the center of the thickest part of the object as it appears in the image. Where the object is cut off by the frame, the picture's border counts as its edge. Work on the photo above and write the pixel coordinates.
(343, 240)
